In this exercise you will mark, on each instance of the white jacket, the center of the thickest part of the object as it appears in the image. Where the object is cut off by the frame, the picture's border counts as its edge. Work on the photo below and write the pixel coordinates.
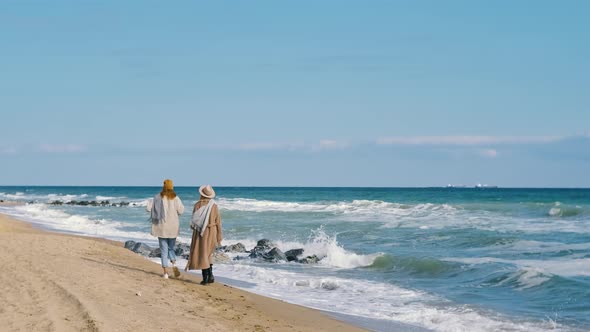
(170, 226)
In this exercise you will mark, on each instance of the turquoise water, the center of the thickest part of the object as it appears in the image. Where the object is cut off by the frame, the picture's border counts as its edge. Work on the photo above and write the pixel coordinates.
(443, 258)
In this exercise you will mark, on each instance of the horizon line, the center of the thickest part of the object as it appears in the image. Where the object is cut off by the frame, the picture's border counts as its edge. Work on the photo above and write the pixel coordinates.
(326, 187)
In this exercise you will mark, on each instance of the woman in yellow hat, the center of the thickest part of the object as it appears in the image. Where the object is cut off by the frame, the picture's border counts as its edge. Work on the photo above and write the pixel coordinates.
(165, 209)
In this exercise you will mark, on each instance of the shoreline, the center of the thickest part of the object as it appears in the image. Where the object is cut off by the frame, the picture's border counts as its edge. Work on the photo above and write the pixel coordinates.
(95, 284)
(248, 311)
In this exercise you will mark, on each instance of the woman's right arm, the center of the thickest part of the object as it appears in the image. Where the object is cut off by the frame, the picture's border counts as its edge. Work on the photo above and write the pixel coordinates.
(179, 206)
(148, 207)
(218, 225)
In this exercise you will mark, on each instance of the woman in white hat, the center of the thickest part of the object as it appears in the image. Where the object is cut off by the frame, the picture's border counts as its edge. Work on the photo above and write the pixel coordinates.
(206, 225)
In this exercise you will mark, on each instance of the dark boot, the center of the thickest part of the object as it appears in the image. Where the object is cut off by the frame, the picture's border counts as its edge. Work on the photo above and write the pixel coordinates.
(211, 278)
(205, 273)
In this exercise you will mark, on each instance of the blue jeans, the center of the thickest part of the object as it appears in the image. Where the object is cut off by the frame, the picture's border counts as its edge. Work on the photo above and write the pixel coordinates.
(167, 249)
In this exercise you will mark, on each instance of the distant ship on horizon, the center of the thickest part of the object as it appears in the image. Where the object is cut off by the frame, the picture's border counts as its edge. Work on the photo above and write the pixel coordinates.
(479, 186)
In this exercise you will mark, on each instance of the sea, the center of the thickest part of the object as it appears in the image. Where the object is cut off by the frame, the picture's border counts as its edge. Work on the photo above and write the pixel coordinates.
(444, 259)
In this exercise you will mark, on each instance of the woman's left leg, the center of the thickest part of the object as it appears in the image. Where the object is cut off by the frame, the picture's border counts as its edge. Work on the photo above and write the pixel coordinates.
(163, 254)
(172, 256)
(171, 250)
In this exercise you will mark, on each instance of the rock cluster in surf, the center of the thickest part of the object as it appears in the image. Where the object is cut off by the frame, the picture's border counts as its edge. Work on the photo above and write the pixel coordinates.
(91, 203)
(265, 250)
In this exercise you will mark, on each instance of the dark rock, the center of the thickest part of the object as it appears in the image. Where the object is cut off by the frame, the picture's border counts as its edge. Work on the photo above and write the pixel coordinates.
(265, 243)
(129, 244)
(182, 249)
(309, 260)
(238, 247)
(257, 252)
(91, 203)
(155, 253)
(274, 255)
(293, 253)
(262, 246)
(142, 249)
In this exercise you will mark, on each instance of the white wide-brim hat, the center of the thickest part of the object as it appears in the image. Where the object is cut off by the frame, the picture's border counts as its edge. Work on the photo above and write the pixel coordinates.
(207, 191)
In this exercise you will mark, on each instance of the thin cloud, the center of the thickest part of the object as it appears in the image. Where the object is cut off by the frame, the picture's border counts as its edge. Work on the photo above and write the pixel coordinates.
(484, 146)
(62, 148)
(8, 150)
(488, 153)
(267, 146)
(466, 140)
(328, 144)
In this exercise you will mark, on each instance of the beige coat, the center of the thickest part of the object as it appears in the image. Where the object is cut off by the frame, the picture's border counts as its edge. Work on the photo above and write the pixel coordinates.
(170, 226)
(203, 247)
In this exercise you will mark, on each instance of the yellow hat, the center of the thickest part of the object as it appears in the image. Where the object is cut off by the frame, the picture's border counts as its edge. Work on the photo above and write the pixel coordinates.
(168, 185)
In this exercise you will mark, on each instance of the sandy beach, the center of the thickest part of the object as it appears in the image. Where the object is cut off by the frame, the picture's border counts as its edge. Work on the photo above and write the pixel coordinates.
(57, 282)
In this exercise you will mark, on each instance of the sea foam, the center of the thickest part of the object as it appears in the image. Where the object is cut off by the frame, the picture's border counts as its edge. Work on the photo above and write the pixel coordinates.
(569, 267)
(322, 245)
(355, 207)
(53, 219)
(370, 299)
(41, 198)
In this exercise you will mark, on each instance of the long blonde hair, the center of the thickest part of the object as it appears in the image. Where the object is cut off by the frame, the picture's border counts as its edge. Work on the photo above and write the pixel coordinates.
(168, 189)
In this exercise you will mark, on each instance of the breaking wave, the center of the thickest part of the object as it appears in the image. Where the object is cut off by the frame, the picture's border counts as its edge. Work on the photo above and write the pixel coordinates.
(355, 207)
(560, 210)
(46, 217)
(415, 266)
(324, 246)
(21, 196)
(579, 267)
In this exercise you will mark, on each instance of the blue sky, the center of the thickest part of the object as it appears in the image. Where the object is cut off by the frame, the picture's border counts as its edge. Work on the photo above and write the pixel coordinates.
(306, 93)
